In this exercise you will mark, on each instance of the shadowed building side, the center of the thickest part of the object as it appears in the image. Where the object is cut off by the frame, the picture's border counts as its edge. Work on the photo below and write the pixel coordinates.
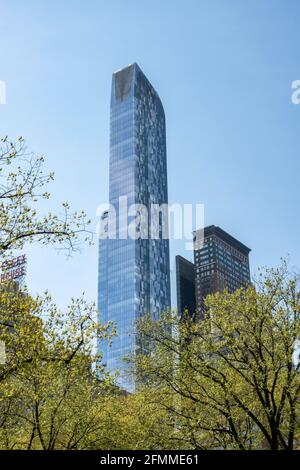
(185, 286)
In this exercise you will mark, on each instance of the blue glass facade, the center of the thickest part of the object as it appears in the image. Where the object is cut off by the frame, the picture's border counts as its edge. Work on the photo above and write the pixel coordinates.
(134, 276)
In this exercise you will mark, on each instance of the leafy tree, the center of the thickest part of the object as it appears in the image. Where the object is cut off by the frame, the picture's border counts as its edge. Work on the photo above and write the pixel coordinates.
(132, 421)
(23, 183)
(48, 384)
(55, 392)
(230, 379)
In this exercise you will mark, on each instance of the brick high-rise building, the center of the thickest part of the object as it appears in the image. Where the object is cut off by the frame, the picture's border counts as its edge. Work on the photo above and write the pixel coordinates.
(221, 262)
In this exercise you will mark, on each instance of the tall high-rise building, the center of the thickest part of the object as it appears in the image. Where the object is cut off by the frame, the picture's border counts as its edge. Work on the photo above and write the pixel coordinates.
(134, 274)
(221, 262)
(185, 286)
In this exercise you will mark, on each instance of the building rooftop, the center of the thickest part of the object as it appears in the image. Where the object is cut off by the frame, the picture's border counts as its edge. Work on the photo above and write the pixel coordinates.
(220, 233)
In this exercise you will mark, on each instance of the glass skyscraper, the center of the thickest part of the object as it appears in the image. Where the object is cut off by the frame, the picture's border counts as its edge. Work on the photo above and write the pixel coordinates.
(134, 275)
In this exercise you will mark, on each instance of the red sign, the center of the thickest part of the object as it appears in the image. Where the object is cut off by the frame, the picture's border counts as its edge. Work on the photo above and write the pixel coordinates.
(13, 269)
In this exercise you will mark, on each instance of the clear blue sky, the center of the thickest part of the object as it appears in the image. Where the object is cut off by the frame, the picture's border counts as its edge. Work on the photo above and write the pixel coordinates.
(223, 70)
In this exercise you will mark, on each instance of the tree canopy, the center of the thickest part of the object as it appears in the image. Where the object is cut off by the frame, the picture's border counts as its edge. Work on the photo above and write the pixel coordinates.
(23, 184)
(231, 380)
